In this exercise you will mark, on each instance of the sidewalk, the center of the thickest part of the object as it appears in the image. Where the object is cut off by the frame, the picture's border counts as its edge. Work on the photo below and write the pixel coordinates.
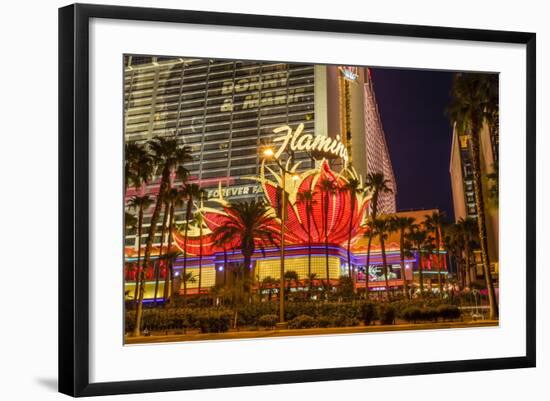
(234, 335)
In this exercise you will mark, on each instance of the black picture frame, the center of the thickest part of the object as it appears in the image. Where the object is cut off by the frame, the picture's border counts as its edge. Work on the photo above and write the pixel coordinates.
(74, 194)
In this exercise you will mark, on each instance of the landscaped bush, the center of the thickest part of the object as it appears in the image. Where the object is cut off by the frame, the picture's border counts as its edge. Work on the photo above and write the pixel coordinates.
(249, 314)
(368, 313)
(448, 312)
(302, 322)
(429, 313)
(387, 314)
(324, 321)
(412, 314)
(268, 321)
(214, 320)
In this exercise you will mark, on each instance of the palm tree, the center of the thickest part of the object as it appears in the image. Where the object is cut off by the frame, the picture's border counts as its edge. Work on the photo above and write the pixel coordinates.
(418, 238)
(404, 226)
(382, 226)
(434, 222)
(377, 184)
(138, 165)
(130, 221)
(467, 229)
(160, 256)
(455, 245)
(222, 241)
(290, 276)
(248, 223)
(354, 188)
(168, 157)
(173, 199)
(475, 101)
(191, 191)
(311, 277)
(306, 198)
(327, 189)
(200, 221)
(139, 203)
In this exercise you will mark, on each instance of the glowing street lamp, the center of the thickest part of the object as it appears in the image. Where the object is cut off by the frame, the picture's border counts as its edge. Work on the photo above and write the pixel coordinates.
(268, 153)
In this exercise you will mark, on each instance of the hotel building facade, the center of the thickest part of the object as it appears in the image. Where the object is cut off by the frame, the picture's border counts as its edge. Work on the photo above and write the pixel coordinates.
(463, 189)
(226, 110)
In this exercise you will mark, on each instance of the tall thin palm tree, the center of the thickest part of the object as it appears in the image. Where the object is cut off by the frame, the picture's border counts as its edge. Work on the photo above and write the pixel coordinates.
(455, 244)
(306, 198)
(377, 184)
(174, 199)
(434, 223)
(327, 190)
(249, 224)
(403, 225)
(382, 227)
(168, 157)
(475, 101)
(192, 191)
(467, 229)
(161, 262)
(354, 188)
(222, 240)
(418, 238)
(141, 204)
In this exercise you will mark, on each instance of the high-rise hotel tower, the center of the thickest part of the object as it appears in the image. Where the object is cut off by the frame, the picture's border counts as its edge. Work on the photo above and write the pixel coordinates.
(225, 110)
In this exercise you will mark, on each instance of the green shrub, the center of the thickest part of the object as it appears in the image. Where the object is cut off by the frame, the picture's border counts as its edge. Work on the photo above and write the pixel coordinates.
(249, 314)
(429, 313)
(324, 321)
(412, 314)
(448, 312)
(368, 313)
(302, 322)
(387, 314)
(268, 321)
(214, 320)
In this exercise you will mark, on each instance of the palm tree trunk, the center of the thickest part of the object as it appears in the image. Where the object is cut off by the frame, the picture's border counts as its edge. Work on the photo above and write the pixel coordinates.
(467, 270)
(369, 243)
(169, 245)
(138, 267)
(480, 206)
(384, 261)
(325, 207)
(402, 255)
(224, 266)
(437, 244)
(420, 270)
(247, 256)
(164, 182)
(185, 236)
(157, 270)
(200, 257)
(350, 270)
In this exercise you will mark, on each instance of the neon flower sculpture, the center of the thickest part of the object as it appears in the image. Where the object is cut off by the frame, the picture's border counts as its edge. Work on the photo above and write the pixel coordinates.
(335, 226)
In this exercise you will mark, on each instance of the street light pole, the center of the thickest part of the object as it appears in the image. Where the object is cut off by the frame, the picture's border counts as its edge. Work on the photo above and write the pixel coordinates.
(282, 323)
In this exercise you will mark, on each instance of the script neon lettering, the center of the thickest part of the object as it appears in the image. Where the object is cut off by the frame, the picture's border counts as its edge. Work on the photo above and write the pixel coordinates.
(295, 141)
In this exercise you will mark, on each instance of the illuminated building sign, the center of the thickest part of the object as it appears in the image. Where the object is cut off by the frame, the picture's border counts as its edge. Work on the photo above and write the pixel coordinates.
(272, 88)
(233, 191)
(315, 144)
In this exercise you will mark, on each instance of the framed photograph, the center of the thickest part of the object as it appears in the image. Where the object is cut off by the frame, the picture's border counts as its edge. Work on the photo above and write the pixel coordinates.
(251, 199)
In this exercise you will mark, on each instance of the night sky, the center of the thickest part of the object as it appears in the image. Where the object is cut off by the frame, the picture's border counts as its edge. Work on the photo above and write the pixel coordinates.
(412, 106)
